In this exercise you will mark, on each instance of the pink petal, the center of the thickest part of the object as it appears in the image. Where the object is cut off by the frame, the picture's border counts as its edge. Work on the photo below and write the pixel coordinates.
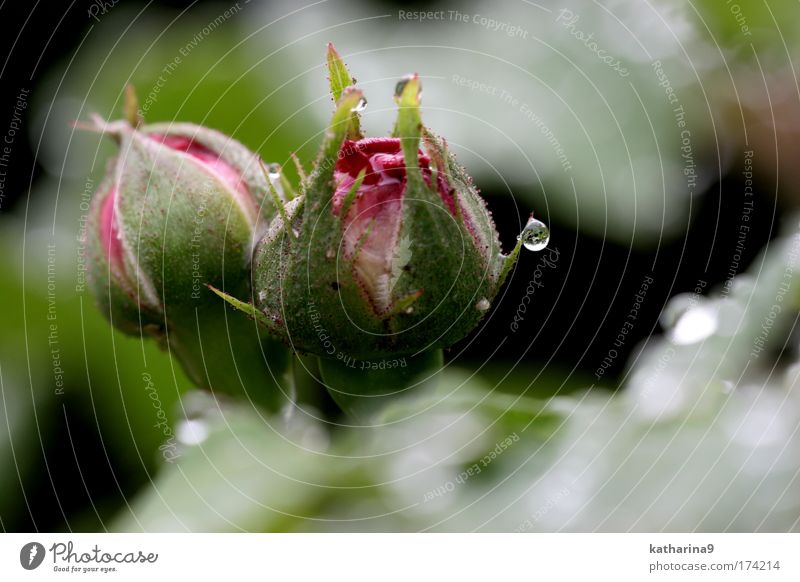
(377, 205)
(109, 233)
(212, 160)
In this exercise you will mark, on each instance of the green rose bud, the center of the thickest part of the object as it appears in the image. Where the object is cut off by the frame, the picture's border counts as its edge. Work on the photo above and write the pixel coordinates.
(389, 250)
(178, 212)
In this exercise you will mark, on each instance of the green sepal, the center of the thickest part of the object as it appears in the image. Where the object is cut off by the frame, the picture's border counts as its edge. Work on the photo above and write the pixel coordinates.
(409, 128)
(320, 183)
(232, 152)
(181, 227)
(350, 196)
(508, 264)
(471, 210)
(247, 308)
(340, 79)
(131, 107)
(276, 199)
(272, 258)
(339, 76)
(114, 293)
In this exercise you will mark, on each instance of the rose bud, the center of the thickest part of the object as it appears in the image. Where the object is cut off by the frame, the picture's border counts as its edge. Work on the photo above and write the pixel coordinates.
(177, 213)
(389, 251)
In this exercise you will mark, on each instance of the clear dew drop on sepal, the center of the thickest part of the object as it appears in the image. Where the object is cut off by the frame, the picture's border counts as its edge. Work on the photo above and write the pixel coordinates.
(535, 236)
(360, 106)
(401, 86)
(274, 171)
(483, 304)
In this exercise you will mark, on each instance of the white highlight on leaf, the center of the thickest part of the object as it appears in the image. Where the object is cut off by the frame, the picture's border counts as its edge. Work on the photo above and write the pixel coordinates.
(694, 326)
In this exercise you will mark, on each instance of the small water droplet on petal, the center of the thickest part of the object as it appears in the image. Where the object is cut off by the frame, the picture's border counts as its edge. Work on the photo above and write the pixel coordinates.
(409, 310)
(330, 253)
(483, 304)
(535, 236)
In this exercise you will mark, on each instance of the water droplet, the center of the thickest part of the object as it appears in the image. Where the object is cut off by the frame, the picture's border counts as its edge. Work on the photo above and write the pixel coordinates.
(409, 310)
(483, 304)
(262, 295)
(330, 253)
(274, 171)
(697, 324)
(191, 431)
(360, 106)
(401, 86)
(535, 236)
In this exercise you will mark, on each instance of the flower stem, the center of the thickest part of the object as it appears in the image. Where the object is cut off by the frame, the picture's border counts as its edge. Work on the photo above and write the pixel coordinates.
(363, 387)
(232, 356)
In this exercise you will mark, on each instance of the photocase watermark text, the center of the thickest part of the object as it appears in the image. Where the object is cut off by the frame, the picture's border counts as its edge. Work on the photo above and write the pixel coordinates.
(547, 261)
(568, 19)
(169, 449)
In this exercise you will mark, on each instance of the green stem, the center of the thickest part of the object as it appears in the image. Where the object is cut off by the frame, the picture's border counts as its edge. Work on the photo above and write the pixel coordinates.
(232, 356)
(363, 387)
(310, 392)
